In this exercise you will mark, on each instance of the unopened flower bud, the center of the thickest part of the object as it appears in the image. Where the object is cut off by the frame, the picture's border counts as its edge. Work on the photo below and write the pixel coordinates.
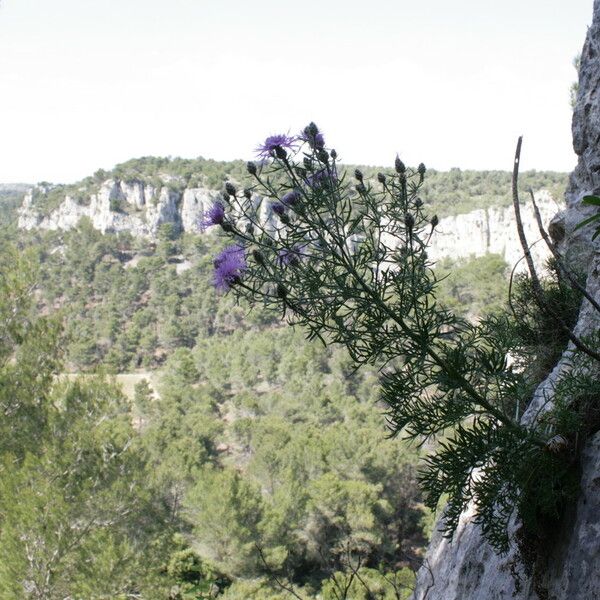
(249, 228)
(361, 189)
(409, 220)
(314, 138)
(230, 189)
(226, 226)
(307, 162)
(225, 195)
(258, 257)
(248, 193)
(293, 261)
(418, 202)
(280, 153)
(323, 155)
(333, 154)
(421, 169)
(278, 208)
(311, 129)
(281, 291)
(381, 178)
(434, 221)
(291, 198)
(399, 165)
(358, 174)
(251, 168)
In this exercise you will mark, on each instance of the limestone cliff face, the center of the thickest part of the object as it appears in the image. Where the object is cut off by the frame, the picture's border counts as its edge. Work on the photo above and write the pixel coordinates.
(117, 206)
(141, 209)
(465, 567)
(137, 207)
(492, 230)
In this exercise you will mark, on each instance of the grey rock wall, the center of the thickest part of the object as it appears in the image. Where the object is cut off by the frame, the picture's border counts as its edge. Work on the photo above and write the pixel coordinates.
(493, 230)
(465, 567)
(143, 209)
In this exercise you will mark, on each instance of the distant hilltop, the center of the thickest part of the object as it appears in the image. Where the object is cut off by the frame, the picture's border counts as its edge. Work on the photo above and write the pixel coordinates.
(144, 194)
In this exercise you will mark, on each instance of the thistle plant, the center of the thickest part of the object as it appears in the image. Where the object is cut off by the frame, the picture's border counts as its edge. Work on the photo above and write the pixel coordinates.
(346, 259)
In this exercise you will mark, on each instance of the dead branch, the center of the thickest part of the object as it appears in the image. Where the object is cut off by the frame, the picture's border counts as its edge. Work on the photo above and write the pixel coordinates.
(567, 272)
(535, 281)
(274, 577)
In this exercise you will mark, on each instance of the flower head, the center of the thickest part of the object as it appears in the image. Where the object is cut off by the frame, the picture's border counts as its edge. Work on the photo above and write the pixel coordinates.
(278, 208)
(313, 137)
(229, 265)
(291, 198)
(215, 215)
(399, 165)
(274, 144)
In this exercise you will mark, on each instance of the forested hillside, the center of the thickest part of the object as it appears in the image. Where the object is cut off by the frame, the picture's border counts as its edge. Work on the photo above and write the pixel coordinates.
(11, 196)
(262, 455)
(247, 462)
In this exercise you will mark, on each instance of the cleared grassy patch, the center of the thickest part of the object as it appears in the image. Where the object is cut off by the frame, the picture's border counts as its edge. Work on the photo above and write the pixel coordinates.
(127, 381)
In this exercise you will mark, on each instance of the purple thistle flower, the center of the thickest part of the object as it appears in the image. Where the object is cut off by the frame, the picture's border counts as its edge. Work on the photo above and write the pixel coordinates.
(291, 198)
(215, 215)
(278, 208)
(273, 142)
(229, 266)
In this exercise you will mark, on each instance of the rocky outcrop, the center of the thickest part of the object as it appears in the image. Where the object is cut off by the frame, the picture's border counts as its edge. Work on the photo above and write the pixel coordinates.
(465, 567)
(136, 207)
(194, 203)
(493, 230)
(141, 209)
(67, 215)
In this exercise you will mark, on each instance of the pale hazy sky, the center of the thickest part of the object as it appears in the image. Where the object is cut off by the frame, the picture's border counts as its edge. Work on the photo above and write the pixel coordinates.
(89, 83)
